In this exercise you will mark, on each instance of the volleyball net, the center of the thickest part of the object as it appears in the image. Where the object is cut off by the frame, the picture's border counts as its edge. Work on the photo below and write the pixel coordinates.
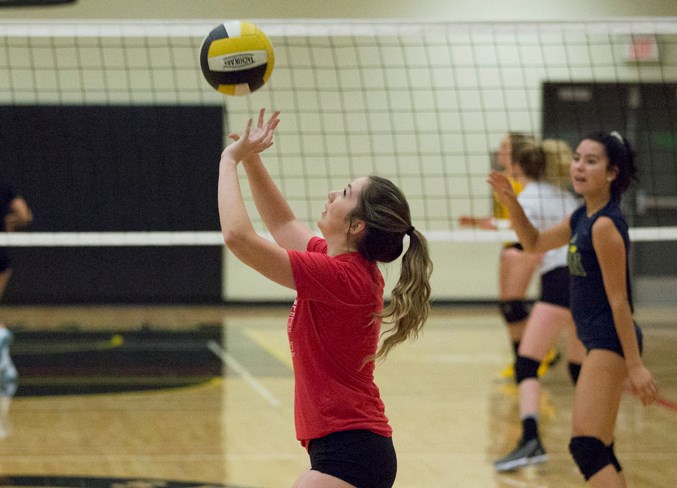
(113, 136)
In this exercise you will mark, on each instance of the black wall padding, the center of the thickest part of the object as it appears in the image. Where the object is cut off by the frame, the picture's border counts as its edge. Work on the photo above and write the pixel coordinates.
(114, 168)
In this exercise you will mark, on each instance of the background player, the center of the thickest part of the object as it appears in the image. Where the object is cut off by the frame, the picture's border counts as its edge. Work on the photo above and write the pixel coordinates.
(516, 268)
(545, 204)
(601, 299)
(16, 215)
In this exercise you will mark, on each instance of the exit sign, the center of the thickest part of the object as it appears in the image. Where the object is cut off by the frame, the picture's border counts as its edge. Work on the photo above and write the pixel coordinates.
(641, 48)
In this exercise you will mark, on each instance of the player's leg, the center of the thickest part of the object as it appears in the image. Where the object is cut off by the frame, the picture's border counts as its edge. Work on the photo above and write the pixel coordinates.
(315, 479)
(545, 323)
(516, 269)
(575, 351)
(596, 402)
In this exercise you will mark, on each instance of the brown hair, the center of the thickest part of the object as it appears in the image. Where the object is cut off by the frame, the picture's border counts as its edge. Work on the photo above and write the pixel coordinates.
(531, 159)
(549, 161)
(385, 211)
(518, 142)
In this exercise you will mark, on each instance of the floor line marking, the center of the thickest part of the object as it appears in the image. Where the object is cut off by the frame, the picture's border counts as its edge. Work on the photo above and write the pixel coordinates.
(249, 378)
(279, 353)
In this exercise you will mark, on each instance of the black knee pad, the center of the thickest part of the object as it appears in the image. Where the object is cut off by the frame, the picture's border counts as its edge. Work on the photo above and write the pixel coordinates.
(525, 368)
(574, 371)
(514, 310)
(590, 454)
(612, 457)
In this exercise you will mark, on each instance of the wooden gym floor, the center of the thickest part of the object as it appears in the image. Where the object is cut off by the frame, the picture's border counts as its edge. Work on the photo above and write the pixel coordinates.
(180, 422)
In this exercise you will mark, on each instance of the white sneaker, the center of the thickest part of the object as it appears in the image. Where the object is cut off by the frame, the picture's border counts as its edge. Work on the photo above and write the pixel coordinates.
(8, 373)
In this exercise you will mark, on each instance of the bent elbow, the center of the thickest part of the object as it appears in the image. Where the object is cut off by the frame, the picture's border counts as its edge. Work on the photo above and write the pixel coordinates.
(239, 242)
(232, 239)
(532, 243)
(529, 247)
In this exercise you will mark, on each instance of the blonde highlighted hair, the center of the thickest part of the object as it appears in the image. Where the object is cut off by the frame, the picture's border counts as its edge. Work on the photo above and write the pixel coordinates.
(558, 156)
(385, 211)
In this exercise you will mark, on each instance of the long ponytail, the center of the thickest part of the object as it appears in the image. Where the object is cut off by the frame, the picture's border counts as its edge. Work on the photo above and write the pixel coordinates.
(410, 304)
(385, 211)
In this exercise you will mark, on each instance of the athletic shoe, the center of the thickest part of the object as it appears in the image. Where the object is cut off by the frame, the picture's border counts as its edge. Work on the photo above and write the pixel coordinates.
(8, 373)
(525, 454)
(551, 358)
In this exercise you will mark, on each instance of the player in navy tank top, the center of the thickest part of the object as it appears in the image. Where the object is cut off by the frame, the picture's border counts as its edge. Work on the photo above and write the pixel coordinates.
(597, 234)
(591, 309)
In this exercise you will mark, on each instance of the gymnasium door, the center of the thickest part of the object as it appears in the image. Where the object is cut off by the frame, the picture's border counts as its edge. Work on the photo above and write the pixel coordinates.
(647, 115)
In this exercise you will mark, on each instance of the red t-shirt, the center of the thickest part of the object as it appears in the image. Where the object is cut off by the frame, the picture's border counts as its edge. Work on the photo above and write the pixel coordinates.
(330, 335)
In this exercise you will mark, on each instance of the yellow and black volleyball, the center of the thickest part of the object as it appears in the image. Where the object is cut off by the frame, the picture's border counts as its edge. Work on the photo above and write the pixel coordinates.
(237, 58)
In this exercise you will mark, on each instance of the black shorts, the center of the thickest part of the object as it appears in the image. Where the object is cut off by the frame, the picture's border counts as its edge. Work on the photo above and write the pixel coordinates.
(613, 343)
(358, 457)
(5, 262)
(555, 287)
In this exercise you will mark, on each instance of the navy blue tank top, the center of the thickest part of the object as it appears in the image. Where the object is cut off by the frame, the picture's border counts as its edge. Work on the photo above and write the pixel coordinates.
(589, 302)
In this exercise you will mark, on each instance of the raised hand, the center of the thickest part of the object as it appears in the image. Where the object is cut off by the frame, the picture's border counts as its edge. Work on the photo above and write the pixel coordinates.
(253, 140)
(502, 187)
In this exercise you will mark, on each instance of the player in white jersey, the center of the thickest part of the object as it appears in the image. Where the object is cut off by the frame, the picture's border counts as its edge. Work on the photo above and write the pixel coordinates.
(545, 204)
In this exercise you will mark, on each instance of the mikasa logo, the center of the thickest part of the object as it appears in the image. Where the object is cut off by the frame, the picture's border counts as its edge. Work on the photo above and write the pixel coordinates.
(238, 60)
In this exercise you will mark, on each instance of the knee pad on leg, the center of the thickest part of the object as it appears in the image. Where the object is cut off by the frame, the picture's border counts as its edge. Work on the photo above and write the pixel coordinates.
(590, 454)
(574, 371)
(514, 310)
(612, 457)
(525, 368)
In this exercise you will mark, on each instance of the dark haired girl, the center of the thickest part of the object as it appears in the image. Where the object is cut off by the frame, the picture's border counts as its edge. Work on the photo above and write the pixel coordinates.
(597, 236)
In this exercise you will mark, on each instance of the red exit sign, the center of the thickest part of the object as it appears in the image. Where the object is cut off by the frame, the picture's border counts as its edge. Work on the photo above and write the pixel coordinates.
(642, 49)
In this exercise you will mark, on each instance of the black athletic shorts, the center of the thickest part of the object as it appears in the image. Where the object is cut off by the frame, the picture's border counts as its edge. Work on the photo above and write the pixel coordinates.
(358, 457)
(613, 343)
(555, 287)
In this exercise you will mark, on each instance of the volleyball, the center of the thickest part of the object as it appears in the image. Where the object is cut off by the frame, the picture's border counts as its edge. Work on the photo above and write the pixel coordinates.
(237, 58)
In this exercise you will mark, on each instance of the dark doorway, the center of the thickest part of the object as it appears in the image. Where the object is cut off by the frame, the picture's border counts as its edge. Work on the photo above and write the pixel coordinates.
(647, 114)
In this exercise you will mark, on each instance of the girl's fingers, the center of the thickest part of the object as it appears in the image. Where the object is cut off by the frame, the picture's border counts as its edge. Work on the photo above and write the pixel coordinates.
(273, 118)
(247, 130)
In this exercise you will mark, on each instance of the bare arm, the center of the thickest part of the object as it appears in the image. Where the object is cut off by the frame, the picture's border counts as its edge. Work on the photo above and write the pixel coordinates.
(611, 254)
(531, 239)
(240, 237)
(274, 209)
(19, 216)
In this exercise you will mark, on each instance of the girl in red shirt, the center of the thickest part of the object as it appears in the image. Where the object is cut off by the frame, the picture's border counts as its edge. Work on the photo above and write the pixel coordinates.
(335, 323)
